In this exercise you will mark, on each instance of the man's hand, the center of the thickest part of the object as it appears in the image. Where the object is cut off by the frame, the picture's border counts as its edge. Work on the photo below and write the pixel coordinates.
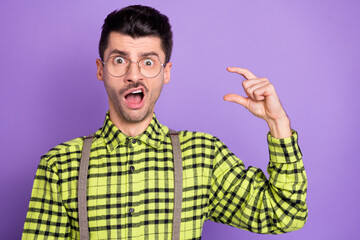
(262, 101)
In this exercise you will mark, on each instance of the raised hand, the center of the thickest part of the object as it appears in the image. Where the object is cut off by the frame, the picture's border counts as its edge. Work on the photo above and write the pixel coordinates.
(262, 101)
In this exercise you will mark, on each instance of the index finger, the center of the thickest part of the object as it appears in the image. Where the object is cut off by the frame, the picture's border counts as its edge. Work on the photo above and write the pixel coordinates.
(243, 71)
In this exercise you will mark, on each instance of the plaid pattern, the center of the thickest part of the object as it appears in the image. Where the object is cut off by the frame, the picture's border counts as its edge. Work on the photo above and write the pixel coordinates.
(130, 187)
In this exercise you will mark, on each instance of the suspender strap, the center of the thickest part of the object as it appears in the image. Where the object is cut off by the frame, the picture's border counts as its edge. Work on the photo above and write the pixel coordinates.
(178, 184)
(82, 186)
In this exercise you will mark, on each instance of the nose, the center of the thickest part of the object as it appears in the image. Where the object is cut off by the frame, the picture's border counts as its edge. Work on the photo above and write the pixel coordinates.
(133, 74)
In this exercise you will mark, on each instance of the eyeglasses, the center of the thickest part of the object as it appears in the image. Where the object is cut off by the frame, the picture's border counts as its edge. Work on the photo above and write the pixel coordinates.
(149, 67)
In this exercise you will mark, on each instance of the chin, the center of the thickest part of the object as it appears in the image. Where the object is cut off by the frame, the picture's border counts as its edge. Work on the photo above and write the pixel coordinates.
(133, 117)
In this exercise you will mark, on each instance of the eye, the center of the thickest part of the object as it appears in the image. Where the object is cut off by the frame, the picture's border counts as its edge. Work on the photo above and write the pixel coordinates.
(148, 62)
(119, 60)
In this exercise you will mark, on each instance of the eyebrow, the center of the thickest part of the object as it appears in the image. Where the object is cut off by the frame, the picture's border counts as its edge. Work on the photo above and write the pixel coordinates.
(126, 54)
(119, 52)
(149, 54)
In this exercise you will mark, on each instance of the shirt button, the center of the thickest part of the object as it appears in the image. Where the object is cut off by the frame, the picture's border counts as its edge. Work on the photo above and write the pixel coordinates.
(131, 210)
(133, 141)
(132, 169)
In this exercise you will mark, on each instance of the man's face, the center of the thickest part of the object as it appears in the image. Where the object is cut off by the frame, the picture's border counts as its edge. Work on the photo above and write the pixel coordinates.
(123, 92)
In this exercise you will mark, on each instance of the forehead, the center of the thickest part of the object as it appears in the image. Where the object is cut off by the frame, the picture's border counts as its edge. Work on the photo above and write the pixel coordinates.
(134, 47)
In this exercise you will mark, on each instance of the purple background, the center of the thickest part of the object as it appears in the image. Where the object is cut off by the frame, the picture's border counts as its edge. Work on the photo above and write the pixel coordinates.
(308, 49)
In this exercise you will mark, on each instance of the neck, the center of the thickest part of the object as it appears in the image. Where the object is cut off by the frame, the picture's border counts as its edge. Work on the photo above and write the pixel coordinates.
(131, 129)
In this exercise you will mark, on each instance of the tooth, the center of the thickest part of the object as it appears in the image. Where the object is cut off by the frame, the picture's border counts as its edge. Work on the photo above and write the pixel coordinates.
(137, 91)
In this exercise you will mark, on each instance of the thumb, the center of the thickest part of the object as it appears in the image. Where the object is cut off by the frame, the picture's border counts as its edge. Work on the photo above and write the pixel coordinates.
(231, 97)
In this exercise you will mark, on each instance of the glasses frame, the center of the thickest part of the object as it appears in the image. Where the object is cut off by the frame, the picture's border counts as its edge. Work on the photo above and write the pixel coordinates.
(163, 65)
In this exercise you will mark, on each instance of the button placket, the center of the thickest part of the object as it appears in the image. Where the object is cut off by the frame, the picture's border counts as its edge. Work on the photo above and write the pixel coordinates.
(130, 169)
(134, 145)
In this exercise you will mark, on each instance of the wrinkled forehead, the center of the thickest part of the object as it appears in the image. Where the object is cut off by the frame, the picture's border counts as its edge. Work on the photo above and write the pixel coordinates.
(133, 48)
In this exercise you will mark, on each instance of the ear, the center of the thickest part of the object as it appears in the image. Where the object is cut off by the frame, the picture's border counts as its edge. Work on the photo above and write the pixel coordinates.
(100, 70)
(167, 72)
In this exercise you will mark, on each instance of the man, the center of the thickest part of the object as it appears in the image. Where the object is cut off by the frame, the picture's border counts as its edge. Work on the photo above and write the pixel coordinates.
(130, 187)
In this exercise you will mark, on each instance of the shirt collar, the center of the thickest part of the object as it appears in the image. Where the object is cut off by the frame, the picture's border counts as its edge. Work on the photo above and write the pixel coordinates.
(153, 135)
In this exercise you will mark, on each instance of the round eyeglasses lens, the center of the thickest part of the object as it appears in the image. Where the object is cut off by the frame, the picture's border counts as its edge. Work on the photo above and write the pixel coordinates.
(150, 66)
(117, 66)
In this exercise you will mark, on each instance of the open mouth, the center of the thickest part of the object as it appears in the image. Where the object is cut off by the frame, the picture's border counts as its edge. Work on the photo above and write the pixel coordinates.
(135, 98)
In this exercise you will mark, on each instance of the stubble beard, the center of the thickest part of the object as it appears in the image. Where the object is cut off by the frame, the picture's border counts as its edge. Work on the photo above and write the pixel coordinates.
(126, 114)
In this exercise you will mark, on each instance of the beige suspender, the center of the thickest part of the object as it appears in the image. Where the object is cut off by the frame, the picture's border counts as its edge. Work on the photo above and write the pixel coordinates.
(82, 186)
(83, 173)
(178, 184)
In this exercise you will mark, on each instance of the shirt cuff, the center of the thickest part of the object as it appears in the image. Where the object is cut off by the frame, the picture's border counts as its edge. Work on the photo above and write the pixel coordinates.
(285, 150)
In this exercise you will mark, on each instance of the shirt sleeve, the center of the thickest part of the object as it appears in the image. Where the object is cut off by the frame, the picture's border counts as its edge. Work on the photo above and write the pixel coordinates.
(246, 199)
(46, 217)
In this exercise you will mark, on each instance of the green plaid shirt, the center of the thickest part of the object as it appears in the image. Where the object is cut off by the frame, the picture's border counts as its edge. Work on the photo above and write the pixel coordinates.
(131, 187)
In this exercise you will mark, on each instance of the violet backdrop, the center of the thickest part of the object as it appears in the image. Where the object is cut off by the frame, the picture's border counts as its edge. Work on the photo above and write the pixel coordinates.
(308, 49)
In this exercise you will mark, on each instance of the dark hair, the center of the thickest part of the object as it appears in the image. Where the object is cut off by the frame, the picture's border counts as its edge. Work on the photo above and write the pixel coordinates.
(138, 21)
